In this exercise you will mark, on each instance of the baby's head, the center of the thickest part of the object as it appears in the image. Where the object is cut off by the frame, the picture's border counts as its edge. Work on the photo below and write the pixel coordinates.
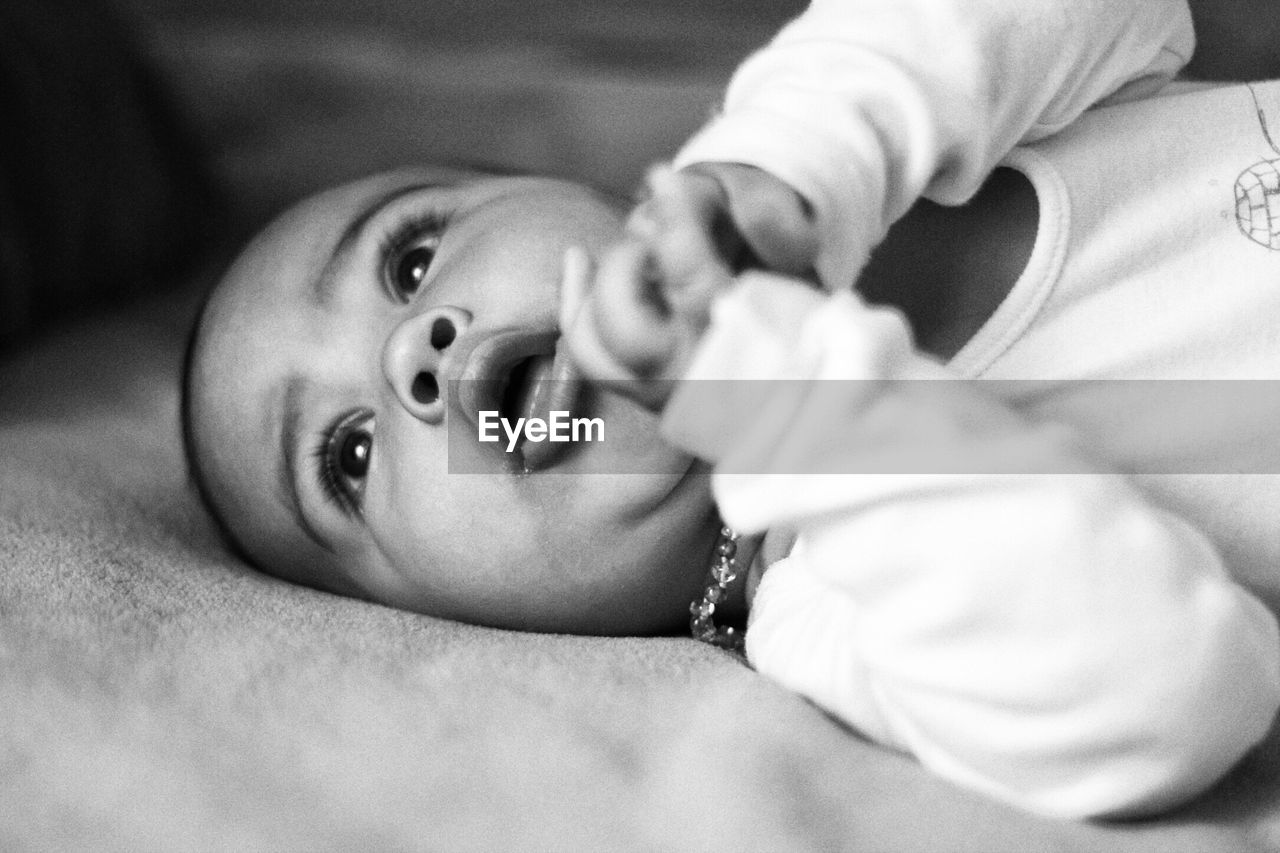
(317, 397)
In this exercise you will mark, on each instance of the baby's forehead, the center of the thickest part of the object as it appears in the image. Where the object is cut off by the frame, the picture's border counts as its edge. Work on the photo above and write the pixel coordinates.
(299, 236)
(279, 264)
(327, 213)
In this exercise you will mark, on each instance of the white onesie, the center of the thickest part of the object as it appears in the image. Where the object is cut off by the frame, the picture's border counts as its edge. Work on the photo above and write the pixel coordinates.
(1158, 257)
(1048, 635)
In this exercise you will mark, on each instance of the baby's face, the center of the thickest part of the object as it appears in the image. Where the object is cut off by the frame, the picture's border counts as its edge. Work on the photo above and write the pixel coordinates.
(319, 399)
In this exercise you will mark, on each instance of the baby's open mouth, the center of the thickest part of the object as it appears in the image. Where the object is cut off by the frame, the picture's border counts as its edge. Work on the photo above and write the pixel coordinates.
(533, 389)
(518, 389)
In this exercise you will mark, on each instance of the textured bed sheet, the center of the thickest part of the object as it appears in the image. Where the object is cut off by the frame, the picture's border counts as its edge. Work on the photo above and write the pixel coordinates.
(155, 694)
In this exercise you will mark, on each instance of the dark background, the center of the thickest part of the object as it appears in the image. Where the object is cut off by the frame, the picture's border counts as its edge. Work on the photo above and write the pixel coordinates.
(140, 133)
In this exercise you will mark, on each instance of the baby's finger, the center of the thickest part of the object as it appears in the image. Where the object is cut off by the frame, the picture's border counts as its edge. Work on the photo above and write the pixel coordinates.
(575, 282)
(673, 226)
(688, 255)
(577, 329)
(775, 220)
(588, 355)
(683, 211)
(629, 311)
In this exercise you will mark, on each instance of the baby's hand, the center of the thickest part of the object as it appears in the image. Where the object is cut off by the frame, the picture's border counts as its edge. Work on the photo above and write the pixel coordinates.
(633, 326)
(633, 322)
(754, 219)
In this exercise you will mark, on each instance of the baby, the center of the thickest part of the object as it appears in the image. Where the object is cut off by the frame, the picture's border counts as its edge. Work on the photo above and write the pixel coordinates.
(1028, 624)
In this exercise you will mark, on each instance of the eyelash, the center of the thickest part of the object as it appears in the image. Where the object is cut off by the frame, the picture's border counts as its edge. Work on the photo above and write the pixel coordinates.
(403, 235)
(333, 483)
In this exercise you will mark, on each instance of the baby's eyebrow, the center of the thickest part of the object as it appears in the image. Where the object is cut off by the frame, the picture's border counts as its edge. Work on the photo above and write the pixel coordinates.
(287, 471)
(323, 286)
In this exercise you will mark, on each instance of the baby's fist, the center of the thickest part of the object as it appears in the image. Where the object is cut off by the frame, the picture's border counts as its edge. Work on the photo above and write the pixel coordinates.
(753, 219)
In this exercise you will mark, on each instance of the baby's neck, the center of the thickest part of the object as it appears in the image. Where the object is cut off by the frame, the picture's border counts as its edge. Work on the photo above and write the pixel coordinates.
(949, 268)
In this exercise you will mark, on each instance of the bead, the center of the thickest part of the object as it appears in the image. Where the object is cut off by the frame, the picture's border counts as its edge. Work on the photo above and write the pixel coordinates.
(721, 572)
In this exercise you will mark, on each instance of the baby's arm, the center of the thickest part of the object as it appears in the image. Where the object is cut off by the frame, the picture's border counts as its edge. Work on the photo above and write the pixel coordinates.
(967, 586)
(861, 106)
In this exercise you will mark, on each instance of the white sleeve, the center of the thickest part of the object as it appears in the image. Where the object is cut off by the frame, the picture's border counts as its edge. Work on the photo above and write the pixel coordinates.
(862, 106)
(1041, 634)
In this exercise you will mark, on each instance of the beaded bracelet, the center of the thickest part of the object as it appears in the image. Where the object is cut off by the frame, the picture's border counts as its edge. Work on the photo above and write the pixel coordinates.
(722, 572)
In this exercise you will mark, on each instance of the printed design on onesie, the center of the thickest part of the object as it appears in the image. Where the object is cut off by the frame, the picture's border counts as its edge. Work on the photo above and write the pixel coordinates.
(1258, 192)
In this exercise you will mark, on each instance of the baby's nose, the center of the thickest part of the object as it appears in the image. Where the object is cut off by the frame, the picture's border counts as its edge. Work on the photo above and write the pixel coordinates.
(413, 355)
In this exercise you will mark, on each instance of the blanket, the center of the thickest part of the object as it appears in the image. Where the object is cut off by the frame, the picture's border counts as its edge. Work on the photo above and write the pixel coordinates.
(157, 694)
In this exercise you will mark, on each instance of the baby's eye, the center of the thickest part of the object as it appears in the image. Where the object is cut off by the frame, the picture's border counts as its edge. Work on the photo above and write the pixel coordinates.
(353, 454)
(411, 267)
(408, 249)
(343, 458)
